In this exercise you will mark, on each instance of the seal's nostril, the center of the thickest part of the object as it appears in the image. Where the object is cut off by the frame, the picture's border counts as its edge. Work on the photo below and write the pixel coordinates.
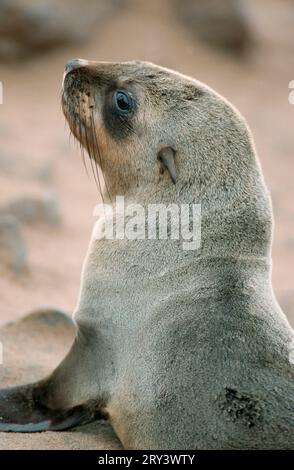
(75, 64)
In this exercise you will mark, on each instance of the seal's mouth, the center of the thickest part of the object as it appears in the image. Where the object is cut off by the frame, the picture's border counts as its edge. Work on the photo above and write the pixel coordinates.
(78, 105)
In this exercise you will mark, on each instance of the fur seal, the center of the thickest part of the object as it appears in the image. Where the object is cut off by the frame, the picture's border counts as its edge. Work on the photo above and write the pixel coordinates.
(177, 349)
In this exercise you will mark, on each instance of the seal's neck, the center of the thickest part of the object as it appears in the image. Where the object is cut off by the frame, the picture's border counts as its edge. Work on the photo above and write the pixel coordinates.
(237, 221)
(236, 213)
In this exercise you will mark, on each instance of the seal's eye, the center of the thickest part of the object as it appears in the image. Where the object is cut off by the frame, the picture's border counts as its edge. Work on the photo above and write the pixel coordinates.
(122, 102)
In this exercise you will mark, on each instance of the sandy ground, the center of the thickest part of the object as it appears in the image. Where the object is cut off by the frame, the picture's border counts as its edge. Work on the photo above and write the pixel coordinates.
(34, 140)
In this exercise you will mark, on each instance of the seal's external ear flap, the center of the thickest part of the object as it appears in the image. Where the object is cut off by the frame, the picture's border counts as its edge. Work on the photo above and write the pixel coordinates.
(21, 411)
(167, 156)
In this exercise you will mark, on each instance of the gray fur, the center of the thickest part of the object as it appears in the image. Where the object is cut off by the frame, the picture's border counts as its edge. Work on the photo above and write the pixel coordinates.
(182, 349)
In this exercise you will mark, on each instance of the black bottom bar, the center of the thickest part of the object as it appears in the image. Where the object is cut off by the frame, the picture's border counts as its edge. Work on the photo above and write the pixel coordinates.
(138, 459)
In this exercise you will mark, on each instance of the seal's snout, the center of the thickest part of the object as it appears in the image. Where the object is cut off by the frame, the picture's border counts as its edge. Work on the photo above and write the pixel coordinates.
(74, 64)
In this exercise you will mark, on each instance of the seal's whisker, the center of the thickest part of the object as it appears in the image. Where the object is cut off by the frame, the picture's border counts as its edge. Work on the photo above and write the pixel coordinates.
(88, 148)
(95, 174)
(84, 160)
(97, 153)
(97, 149)
(80, 136)
(95, 140)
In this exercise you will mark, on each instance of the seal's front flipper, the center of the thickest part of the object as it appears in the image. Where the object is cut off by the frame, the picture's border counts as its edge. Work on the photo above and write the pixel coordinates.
(22, 410)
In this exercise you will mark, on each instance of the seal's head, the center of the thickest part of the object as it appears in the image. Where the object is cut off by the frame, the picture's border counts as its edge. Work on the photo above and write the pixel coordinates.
(135, 118)
(122, 114)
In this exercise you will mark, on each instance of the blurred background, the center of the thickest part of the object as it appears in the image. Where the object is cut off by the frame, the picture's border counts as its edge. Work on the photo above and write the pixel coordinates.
(243, 49)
